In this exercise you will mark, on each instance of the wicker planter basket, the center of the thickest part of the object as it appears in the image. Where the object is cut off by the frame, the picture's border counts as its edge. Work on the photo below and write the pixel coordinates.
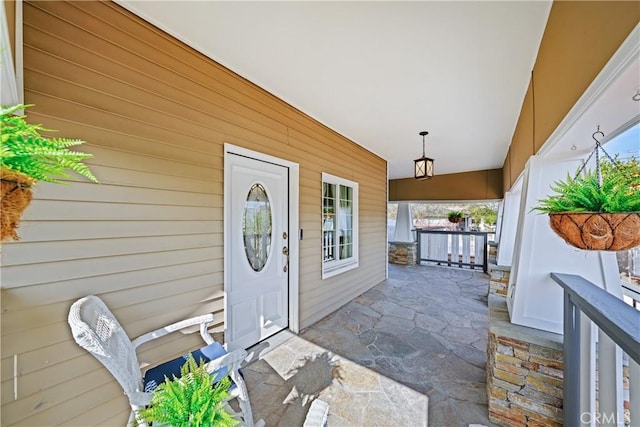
(598, 231)
(15, 196)
(455, 219)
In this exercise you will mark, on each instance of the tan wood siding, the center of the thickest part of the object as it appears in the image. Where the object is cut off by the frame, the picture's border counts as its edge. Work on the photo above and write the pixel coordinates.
(149, 238)
(579, 39)
(522, 143)
(506, 173)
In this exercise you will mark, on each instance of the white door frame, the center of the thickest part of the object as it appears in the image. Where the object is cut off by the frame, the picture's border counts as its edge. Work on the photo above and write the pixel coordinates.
(294, 243)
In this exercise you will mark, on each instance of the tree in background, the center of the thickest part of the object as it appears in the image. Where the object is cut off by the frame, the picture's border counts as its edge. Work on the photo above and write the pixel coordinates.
(392, 211)
(485, 213)
(436, 210)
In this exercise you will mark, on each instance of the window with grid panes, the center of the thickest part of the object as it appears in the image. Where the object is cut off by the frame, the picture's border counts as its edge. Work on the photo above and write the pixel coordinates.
(339, 225)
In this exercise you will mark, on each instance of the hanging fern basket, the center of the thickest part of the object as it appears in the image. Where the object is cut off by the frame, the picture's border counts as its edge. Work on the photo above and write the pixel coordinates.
(37, 158)
(600, 210)
(598, 231)
(15, 196)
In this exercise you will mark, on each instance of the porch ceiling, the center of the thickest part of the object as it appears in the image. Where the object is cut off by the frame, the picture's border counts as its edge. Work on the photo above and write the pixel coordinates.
(380, 72)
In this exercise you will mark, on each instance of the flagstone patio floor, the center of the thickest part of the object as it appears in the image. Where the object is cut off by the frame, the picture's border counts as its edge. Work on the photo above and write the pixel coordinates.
(409, 352)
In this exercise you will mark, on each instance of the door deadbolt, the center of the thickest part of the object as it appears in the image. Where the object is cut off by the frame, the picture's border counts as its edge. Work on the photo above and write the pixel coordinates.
(285, 235)
(285, 250)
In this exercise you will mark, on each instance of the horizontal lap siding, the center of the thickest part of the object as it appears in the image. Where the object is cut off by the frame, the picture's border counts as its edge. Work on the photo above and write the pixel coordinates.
(149, 238)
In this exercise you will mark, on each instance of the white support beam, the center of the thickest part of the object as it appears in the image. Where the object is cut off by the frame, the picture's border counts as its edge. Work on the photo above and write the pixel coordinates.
(499, 220)
(509, 224)
(404, 224)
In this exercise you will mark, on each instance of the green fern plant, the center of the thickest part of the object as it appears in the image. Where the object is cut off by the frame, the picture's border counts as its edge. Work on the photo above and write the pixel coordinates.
(190, 401)
(25, 150)
(455, 215)
(620, 191)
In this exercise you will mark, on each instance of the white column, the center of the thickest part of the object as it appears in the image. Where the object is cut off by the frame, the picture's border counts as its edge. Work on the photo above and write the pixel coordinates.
(510, 215)
(534, 299)
(499, 220)
(404, 224)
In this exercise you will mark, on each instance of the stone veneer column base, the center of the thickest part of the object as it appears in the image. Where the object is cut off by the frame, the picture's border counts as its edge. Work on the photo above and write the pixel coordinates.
(493, 249)
(405, 253)
(499, 279)
(524, 372)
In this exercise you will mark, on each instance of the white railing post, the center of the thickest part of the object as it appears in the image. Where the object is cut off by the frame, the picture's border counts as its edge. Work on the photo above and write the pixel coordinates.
(466, 248)
(443, 246)
(610, 390)
(480, 246)
(455, 248)
(571, 379)
(430, 245)
(634, 392)
(588, 333)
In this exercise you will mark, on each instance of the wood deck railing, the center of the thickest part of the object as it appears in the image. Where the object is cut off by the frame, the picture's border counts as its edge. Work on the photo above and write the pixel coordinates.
(453, 248)
(595, 353)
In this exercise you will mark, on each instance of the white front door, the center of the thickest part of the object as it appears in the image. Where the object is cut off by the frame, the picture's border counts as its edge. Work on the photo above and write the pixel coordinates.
(257, 300)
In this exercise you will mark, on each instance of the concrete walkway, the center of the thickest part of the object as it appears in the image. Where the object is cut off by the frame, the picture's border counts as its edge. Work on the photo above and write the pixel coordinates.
(409, 350)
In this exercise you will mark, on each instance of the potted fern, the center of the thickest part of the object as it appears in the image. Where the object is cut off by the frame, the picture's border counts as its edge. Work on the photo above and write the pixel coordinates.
(600, 209)
(27, 157)
(455, 216)
(191, 400)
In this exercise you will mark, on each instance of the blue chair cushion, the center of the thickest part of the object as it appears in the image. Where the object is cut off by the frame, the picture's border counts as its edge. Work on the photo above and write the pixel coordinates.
(155, 376)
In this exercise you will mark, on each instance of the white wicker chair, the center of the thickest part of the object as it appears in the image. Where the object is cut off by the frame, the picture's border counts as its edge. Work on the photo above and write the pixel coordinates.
(97, 330)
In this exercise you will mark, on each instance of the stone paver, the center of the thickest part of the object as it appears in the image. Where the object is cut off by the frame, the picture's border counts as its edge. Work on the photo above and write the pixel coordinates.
(412, 345)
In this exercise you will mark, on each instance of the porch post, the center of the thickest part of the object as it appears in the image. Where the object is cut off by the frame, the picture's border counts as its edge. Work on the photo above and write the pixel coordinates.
(533, 298)
(571, 380)
(508, 226)
(404, 224)
(499, 221)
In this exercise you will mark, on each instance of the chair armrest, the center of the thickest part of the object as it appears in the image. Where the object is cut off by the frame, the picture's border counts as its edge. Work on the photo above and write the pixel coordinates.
(198, 320)
(140, 399)
(231, 360)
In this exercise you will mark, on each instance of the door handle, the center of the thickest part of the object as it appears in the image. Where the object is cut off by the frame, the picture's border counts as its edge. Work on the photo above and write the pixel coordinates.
(285, 251)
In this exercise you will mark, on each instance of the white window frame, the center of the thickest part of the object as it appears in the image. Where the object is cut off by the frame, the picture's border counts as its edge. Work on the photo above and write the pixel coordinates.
(12, 78)
(335, 267)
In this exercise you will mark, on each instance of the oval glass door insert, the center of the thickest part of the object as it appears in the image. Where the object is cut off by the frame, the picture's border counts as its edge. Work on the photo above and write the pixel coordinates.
(256, 227)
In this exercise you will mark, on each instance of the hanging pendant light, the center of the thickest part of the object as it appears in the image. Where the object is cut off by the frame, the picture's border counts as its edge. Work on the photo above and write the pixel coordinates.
(423, 167)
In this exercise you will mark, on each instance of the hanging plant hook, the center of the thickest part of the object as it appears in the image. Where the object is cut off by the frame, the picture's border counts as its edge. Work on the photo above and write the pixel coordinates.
(596, 151)
(597, 132)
